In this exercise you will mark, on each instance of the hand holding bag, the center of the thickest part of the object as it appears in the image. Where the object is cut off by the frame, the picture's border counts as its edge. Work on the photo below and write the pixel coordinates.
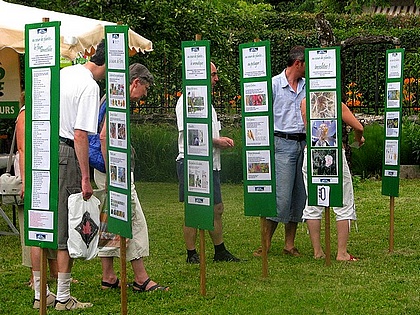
(10, 185)
(83, 226)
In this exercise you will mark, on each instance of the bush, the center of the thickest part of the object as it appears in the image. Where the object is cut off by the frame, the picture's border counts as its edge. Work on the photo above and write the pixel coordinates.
(156, 149)
(367, 160)
(410, 146)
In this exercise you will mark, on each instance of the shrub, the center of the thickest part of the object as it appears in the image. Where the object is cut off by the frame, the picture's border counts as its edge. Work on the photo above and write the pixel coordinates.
(410, 146)
(367, 160)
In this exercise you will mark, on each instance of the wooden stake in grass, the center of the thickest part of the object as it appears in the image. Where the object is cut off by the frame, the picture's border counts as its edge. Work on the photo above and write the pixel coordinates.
(202, 263)
(264, 240)
(391, 224)
(123, 261)
(43, 288)
(327, 237)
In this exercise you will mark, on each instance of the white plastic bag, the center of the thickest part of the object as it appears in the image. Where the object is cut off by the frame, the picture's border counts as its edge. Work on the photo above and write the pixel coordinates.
(83, 226)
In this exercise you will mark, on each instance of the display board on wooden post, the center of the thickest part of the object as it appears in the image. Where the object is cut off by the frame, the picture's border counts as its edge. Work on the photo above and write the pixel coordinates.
(42, 117)
(197, 115)
(119, 143)
(257, 136)
(392, 130)
(324, 133)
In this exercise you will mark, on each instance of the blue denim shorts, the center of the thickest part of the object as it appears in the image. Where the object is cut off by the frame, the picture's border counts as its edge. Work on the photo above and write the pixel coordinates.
(290, 188)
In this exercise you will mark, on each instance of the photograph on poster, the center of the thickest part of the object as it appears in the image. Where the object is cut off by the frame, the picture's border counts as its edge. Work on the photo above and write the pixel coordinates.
(258, 163)
(393, 95)
(255, 97)
(118, 209)
(254, 65)
(394, 65)
(198, 176)
(391, 152)
(195, 63)
(197, 101)
(324, 133)
(197, 139)
(257, 131)
(118, 129)
(323, 105)
(117, 94)
(118, 169)
(324, 162)
(392, 124)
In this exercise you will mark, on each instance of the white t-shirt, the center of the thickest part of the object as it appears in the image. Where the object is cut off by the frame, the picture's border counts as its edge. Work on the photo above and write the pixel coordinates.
(215, 128)
(79, 101)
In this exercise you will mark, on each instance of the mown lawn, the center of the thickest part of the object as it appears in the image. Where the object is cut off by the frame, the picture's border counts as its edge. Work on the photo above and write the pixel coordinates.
(380, 283)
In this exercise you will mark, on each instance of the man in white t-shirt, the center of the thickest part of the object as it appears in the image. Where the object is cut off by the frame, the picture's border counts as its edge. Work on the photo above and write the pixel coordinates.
(190, 234)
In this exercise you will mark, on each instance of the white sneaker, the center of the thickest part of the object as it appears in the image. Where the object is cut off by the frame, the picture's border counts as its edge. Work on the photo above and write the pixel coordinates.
(71, 304)
(50, 301)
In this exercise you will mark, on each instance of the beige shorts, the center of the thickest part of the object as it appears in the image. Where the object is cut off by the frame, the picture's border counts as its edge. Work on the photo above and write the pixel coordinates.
(138, 246)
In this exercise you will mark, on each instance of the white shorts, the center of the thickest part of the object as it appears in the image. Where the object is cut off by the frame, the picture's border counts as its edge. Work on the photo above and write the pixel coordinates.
(348, 211)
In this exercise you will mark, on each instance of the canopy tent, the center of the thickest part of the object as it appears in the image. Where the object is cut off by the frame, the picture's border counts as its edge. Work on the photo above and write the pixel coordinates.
(78, 34)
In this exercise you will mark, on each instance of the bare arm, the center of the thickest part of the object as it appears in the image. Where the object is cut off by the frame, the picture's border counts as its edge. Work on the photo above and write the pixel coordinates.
(303, 110)
(20, 142)
(81, 146)
(352, 121)
(223, 143)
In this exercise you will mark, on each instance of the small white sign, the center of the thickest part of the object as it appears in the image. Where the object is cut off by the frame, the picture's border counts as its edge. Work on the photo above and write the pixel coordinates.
(323, 196)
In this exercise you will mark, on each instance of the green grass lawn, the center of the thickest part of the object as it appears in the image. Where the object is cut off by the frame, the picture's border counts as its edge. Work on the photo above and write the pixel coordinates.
(380, 283)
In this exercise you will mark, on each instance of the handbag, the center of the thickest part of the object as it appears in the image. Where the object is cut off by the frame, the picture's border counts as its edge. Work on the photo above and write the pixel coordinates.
(83, 226)
(11, 185)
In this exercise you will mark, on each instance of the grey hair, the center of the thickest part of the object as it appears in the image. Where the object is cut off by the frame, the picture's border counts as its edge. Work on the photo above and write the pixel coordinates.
(139, 71)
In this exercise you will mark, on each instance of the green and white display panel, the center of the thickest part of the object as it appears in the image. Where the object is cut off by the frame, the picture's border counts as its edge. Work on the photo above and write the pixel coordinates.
(118, 130)
(324, 127)
(393, 121)
(42, 117)
(198, 134)
(257, 129)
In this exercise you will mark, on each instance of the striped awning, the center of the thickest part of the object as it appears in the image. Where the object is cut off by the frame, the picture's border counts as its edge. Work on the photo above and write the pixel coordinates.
(396, 10)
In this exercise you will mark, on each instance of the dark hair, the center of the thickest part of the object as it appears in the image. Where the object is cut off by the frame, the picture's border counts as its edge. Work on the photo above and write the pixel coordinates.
(138, 71)
(296, 53)
(99, 57)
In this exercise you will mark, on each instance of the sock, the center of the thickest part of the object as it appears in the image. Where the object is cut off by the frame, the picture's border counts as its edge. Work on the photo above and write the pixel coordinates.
(37, 285)
(191, 252)
(63, 287)
(219, 248)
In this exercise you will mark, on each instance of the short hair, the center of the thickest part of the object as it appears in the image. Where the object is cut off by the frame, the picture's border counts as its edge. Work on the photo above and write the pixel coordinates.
(139, 71)
(99, 57)
(296, 53)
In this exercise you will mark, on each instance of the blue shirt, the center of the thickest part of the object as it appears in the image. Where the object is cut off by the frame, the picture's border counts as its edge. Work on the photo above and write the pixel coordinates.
(286, 105)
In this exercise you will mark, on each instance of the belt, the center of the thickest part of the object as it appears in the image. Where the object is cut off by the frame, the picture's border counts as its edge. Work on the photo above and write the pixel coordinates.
(291, 136)
(67, 141)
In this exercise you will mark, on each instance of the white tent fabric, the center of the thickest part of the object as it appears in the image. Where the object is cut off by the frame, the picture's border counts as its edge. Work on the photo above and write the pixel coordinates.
(78, 34)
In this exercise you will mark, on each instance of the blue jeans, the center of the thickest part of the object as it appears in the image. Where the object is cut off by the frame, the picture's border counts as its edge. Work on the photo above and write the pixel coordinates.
(290, 188)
